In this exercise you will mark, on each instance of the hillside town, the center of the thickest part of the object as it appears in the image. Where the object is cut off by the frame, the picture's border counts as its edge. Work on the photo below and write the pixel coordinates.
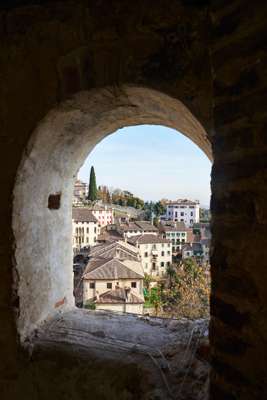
(139, 259)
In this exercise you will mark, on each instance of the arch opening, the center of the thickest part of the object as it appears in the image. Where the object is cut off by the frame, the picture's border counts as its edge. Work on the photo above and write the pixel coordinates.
(43, 190)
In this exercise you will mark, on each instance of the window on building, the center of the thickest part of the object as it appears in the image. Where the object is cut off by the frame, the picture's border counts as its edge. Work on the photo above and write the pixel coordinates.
(169, 253)
(182, 214)
(191, 213)
(168, 263)
(92, 285)
(133, 284)
(162, 264)
(87, 230)
(153, 266)
(109, 285)
(146, 254)
(162, 253)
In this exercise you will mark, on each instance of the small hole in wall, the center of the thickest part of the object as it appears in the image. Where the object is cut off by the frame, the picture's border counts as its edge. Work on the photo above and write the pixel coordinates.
(54, 201)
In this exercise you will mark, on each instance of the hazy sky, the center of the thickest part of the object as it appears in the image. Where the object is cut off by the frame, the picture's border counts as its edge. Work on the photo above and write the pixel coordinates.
(152, 162)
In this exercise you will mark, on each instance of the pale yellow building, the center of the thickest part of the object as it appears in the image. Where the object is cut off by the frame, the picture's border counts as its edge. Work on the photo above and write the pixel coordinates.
(106, 278)
(155, 253)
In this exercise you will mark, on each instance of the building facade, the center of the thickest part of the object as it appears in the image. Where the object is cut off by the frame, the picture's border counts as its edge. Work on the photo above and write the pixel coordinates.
(104, 277)
(85, 228)
(155, 253)
(120, 300)
(177, 233)
(103, 214)
(130, 229)
(80, 189)
(183, 210)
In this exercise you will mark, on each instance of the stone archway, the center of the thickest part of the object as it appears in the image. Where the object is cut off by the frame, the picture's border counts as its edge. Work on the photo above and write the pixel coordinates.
(43, 190)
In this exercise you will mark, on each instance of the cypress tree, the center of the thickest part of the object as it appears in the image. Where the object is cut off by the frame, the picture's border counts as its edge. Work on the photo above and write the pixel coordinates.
(92, 193)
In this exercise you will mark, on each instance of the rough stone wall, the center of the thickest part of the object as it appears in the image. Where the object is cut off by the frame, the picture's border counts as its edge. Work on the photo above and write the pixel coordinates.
(239, 201)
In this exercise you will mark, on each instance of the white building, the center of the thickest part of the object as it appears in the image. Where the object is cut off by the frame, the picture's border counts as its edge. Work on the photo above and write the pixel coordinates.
(177, 233)
(85, 228)
(79, 192)
(155, 253)
(186, 211)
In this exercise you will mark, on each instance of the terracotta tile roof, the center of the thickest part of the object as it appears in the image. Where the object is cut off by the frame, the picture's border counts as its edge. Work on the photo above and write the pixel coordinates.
(112, 269)
(82, 214)
(138, 226)
(173, 227)
(146, 226)
(147, 239)
(183, 202)
(119, 295)
(112, 249)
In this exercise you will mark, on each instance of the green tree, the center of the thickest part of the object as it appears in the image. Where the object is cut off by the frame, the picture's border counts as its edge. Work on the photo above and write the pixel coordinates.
(171, 273)
(92, 193)
(147, 281)
(108, 197)
(159, 208)
(155, 299)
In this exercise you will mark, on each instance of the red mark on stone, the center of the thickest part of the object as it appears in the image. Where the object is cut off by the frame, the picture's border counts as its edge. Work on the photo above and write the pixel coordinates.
(60, 302)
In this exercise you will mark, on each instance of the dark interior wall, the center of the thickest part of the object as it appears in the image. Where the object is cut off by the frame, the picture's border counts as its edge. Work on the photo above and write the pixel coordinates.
(239, 300)
(52, 50)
